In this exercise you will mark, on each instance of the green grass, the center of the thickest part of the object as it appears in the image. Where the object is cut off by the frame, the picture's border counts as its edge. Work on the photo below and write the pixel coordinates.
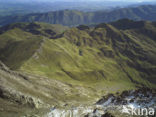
(97, 58)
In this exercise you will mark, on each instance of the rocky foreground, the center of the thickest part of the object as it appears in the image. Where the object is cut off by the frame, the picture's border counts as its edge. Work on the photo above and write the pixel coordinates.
(26, 95)
(19, 98)
(118, 105)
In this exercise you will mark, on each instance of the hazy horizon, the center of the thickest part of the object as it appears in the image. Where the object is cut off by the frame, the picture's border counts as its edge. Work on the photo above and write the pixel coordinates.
(9, 7)
(78, 1)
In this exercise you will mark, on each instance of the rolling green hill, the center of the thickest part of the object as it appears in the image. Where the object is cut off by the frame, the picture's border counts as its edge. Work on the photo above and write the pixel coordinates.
(73, 17)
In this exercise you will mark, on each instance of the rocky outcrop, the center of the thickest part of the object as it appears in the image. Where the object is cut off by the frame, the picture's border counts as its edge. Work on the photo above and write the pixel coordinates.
(111, 105)
(141, 96)
(107, 115)
(9, 93)
(20, 98)
(21, 90)
(3, 66)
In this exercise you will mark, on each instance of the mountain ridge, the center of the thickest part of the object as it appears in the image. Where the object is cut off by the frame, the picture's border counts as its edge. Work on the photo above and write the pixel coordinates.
(83, 41)
(73, 17)
(44, 65)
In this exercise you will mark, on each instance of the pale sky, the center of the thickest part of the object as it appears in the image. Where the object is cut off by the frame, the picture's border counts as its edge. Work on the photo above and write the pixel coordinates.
(79, 0)
(87, 0)
(100, 0)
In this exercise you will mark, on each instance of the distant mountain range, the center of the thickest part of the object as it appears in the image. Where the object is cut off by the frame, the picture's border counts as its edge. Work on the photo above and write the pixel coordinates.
(73, 17)
(10, 7)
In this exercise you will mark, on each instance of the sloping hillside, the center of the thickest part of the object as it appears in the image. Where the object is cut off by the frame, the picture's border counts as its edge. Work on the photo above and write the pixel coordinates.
(83, 55)
(25, 94)
(57, 65)
(73, 17)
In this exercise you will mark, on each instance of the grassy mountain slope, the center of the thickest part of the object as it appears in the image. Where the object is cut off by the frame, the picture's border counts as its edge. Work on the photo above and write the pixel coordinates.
(73, 17)
(57, 65)
(100, 57)
(18, 36)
